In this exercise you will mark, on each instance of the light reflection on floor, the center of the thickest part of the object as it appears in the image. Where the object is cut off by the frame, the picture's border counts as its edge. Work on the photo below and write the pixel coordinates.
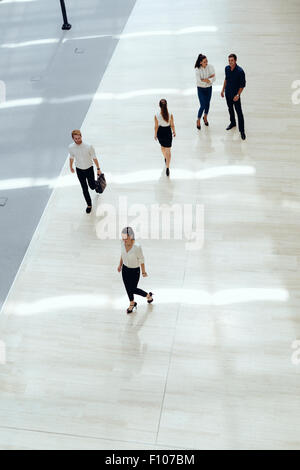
(70, 303)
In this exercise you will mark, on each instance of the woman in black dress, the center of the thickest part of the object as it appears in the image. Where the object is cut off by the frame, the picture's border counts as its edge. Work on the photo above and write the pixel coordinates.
(164, 125)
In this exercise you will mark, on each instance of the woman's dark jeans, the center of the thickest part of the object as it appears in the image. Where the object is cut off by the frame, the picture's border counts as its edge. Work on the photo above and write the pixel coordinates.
(204, 95)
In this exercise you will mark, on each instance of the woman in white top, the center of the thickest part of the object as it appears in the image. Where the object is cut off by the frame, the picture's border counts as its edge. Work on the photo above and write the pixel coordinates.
(205, 75)
(164, 122)
(131, 259)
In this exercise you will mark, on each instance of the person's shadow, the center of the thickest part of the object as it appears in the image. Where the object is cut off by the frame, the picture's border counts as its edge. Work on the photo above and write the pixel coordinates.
(204, 144)
(234, 147)
(164, 190)
(132, 347)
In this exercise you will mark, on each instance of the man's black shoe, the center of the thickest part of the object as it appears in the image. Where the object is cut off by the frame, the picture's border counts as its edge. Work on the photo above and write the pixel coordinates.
(230, 127)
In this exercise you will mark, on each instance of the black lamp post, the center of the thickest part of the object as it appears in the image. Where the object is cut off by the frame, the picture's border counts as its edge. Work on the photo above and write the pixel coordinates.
(66, 25)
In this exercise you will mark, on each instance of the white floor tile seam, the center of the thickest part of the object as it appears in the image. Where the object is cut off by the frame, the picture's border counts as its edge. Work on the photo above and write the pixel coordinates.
(100, 438)
(167, 374)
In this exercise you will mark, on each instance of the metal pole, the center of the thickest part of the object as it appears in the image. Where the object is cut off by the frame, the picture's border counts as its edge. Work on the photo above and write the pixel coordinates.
(66, 25)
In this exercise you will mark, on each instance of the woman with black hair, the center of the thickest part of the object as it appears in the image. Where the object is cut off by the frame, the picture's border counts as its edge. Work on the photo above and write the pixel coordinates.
(205, 75)
(164, 125)
(131, 259)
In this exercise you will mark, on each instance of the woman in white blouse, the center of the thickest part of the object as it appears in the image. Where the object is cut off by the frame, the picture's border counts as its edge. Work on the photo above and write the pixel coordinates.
(205, 75)
(131, 259)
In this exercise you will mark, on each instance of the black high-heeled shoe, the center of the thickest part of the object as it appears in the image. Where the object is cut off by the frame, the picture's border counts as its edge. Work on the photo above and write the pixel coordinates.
(167, 172)
(206, 122)
(150, 300)
(130, 310)
(198, 125)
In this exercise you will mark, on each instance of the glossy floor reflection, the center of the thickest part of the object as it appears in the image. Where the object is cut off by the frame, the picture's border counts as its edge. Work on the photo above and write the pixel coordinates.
(208, 364)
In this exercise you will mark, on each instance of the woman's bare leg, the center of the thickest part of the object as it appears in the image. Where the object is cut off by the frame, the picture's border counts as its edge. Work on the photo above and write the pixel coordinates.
(164, 152)
(168, 157)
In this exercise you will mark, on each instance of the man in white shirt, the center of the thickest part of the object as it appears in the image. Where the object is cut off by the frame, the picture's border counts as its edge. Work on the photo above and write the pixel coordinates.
(84, 155)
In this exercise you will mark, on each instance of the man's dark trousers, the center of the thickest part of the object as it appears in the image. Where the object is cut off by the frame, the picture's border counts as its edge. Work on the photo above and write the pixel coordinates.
(238, 108)
(85, 176)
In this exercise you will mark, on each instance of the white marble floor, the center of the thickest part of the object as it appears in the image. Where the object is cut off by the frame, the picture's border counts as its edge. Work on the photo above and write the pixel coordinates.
(209, 364)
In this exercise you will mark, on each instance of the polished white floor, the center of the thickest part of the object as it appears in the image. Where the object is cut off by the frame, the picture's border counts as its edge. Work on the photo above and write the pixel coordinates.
(208, 365)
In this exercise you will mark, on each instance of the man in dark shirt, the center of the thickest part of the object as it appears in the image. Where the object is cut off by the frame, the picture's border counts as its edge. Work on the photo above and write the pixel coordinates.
(234, 84)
